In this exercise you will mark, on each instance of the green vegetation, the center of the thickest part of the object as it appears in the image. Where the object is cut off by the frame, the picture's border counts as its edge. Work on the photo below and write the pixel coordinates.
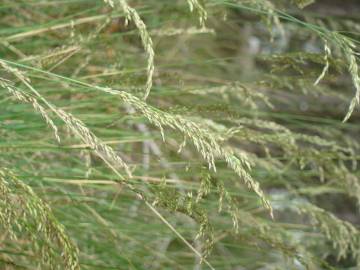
(188, 134)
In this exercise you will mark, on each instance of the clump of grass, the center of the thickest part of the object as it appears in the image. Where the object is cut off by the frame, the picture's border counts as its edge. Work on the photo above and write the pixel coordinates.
(22, 211)
(223, 118)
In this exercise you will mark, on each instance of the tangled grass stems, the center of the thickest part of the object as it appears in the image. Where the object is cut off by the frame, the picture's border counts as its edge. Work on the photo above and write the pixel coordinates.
(21, 208)
(298, 154)
(204, 141)
(106, 153)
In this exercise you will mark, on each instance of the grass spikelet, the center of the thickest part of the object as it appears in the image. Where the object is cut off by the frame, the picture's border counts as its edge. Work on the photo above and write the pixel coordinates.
(22, 209)
(170, 199)
(80, 129)
(243, 93)
(23, 97)
(132, 15)
(327, 55)
(303, 3)
(182, 31)
(195, 5)
(54, 56)
(348, 48)
(205, 186)
(268, 8)
(110, 3)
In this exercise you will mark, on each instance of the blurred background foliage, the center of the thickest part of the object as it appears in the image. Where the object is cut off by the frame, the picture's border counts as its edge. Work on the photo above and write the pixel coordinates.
(237, 159)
